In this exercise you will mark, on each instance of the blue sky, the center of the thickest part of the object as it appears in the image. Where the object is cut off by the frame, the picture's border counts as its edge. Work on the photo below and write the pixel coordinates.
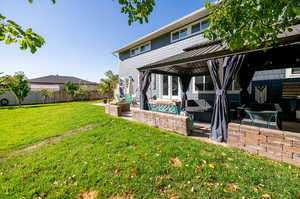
(80, 34)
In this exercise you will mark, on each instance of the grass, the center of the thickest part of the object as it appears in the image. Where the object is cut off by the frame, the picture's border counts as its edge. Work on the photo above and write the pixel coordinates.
(21, 126)
(128, 159)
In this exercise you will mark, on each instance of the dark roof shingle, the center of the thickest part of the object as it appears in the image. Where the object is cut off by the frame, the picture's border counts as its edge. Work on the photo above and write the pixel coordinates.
(57, 79)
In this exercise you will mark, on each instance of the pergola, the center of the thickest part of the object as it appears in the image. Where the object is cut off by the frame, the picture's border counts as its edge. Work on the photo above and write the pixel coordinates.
(223, 65)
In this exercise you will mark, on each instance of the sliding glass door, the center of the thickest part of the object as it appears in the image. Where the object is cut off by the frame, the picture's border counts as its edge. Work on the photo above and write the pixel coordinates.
(170, 88)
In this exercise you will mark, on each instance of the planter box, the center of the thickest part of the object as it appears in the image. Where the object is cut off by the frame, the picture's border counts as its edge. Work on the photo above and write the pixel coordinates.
(116, 110)
(176, 123)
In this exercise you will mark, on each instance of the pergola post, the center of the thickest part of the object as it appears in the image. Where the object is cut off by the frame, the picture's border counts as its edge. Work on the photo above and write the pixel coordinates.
(144, 85)
(222, 79)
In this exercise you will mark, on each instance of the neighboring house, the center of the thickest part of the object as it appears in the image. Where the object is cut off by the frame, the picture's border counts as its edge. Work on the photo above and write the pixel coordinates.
(56, 82)
(171, 40)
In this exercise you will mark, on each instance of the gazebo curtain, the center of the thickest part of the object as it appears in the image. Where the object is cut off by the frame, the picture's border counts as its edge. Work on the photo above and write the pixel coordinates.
(245, 76)
(185, 82)
(144, 85)
(220, 118)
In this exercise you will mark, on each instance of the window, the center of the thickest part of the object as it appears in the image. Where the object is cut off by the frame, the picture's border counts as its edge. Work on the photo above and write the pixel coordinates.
(183, 33)
(194, 28)
(153, 81)
(145, 48)
(205, 83)
(134, 52)
(166, 85)
(175, 36)
(175, 86)
(180, 34)
(141, 49)
(199, 83)
(204, 25)
(295, 70)
(208, 83)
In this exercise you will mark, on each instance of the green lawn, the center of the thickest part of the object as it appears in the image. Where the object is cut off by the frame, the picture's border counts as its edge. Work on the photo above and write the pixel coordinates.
(132, 160)
(29, 124)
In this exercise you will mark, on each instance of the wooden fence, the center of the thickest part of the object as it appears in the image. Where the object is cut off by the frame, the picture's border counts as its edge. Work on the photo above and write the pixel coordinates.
(58, 96)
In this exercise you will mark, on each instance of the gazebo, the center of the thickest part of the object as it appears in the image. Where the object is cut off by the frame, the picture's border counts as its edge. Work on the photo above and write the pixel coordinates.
(223, 65)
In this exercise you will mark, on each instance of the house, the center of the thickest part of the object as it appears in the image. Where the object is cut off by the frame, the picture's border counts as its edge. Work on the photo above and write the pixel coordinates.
(175, 65)
(175, 38)
(56, 82)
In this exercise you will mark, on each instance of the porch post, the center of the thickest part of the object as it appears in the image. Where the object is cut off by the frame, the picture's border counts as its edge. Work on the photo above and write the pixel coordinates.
(220, 117)
(144, 85)
(185, 82)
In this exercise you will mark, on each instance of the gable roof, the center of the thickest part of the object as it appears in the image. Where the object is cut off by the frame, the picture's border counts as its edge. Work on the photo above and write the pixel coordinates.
(202, 12)
(57, 79)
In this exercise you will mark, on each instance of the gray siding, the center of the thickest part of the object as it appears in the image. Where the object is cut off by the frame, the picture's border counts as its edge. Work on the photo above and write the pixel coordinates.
(128, 67)
(269, 74)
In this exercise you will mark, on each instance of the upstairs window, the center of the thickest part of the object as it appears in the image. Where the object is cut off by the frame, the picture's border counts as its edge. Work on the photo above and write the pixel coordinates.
(194, 28)
(140, 49)
(180, 34)
(134, 51)
(145, 47)
(204, 25)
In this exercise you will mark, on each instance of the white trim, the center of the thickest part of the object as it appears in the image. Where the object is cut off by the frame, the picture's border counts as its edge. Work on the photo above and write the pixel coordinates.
(289, 74)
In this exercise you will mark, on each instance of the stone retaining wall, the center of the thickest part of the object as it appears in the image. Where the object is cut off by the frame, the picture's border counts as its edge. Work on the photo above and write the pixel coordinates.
(170, 122)
(274, 144)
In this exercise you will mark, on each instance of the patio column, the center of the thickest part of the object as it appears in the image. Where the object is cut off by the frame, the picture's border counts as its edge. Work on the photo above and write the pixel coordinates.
(185, 82)
(220, 118)
(144, 85)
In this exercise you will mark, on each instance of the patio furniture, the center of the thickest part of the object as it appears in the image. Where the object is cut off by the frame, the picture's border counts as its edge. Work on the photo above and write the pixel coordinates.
(201, 110)
(129, 98)
(263, 118)
(262, 115)
(171, 107)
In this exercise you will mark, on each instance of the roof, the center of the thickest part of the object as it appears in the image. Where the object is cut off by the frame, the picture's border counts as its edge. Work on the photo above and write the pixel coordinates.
(202, 12)
(57, 79)
(195, 56)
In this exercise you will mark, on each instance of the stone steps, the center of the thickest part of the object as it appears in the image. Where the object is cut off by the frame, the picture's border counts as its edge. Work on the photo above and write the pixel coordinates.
(202, 130)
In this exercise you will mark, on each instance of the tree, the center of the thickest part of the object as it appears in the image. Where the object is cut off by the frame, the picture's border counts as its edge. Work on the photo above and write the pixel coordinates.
(45, 93)
(3, 86)
(251, 23)
(82, 92)
(19, 85)
(11, 32)
(71, 88)
(108, 85)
